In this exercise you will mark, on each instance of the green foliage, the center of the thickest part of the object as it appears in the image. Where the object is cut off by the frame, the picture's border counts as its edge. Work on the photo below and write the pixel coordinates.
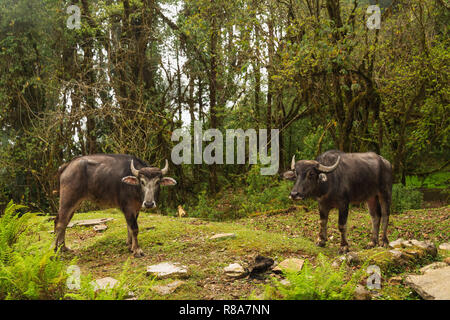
(27, 272)
(323, 282)
(405, 198)
(440, 180)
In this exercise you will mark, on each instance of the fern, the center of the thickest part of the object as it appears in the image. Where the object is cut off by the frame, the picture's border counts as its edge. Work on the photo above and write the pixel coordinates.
(320, 283)
(31, 273)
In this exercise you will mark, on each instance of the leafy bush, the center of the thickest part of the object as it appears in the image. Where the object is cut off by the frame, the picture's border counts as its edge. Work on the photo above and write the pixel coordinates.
(405, 198)
(320, 283)
(26, 272)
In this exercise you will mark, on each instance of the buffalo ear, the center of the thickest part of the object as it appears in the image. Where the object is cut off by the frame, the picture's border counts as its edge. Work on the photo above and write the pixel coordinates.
(168, 181)
(131, 180)
(323, 177)
(289, 175)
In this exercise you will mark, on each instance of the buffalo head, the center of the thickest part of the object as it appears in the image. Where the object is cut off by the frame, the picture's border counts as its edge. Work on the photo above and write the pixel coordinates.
(150, 180)
(308, 175)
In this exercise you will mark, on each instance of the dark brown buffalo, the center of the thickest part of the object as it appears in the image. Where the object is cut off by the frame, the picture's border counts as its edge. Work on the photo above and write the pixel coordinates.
(109, 180)
(337, 179)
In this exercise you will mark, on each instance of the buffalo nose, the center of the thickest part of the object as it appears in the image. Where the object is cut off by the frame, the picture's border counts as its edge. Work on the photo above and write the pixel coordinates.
(149, 204)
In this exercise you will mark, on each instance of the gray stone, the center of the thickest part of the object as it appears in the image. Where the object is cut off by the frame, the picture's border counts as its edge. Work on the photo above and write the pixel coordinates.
(428, 246)
(168, 288)
(445, 246)
(105, 283)
(100, 227)
(234, 270)
(433, 266)
(433, 285)
(90, 222)
(289, 265)
(397, 243)
(167, 269)
(352, 258)
(285, 282)
(361, 293)
(396, 253)
(223, 236)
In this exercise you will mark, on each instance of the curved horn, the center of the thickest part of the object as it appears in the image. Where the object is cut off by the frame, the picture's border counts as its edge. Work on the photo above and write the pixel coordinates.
(293, 163)
(323, 168)
(134, 171)
(166, 168)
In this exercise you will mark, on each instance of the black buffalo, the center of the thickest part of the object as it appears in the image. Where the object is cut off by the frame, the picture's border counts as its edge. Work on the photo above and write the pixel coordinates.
(337, 179)
(109, 180)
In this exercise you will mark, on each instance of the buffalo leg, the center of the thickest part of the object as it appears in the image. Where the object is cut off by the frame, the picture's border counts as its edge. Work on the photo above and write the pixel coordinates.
(323, 225)
(133, 231)
(65, 213)
(375, 214)
(342, 224)
(385, 204)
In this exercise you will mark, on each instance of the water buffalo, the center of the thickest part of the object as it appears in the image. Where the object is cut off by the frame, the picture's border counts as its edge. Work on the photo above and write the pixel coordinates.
(337, 179)
(111, 181)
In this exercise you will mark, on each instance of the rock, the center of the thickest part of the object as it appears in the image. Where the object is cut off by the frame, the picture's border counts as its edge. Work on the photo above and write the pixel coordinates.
(235, 270)
(261, 264)
(433, 285)
(445, 246)
(428, 246)
(338, 261)
(223, 236)
(396, 253)
(167, 289)
(433, 266)
(361, 293)
(285, 282)
(352, 258)
(289, 265)
(90, 222)
(167, 269)
(104, 283)
(397, 243)
(100, 227)
(447, 260)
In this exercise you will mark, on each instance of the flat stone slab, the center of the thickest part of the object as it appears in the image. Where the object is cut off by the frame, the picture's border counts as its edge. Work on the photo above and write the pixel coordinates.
(104, 283)
(289, 265)
(100, 227)
(433, 285)
(167, 269)
(223, 236)
(168, 288)
(234, 270)
(445, 246)
(433, 266)
(90, 222)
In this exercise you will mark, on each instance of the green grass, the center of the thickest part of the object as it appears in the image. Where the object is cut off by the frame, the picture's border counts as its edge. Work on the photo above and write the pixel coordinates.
(290, 233)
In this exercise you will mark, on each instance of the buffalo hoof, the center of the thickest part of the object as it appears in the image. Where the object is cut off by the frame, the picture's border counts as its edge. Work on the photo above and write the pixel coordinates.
(65, 249)
(385, 243)
(320, 243)
(343, 249)
(371, 245)
(138, 253)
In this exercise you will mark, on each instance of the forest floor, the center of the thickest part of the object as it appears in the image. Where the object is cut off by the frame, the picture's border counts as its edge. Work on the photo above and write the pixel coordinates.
(186, 241)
